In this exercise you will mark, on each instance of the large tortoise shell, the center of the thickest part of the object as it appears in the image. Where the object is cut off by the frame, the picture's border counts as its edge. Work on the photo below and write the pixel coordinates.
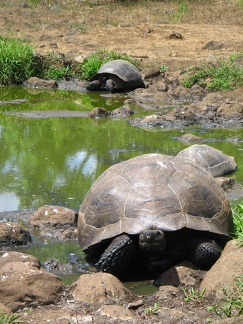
(124, 73)
(152, 191)
(211, 159)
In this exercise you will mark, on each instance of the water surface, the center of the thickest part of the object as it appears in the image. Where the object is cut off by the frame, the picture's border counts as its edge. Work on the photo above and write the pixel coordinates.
(55, 161)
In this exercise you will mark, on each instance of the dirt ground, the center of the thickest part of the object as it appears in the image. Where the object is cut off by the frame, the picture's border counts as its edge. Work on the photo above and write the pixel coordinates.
(144, 31)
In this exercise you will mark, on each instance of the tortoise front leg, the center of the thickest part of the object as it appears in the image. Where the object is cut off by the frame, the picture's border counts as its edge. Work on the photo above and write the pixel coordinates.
(203, 252)
(117, 256)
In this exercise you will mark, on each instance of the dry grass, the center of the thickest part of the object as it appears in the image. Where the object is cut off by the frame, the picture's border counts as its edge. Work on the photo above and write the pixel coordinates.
(93, 13)
(138, 28)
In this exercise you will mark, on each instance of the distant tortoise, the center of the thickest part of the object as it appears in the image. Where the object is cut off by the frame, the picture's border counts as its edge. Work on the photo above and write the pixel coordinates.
(157, 210)
(117, 75)
(211, 159)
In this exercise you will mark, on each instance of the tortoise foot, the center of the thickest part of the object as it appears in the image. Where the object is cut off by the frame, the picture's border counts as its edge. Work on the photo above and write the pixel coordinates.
(94, 86)
(117, 256)
(206, 254)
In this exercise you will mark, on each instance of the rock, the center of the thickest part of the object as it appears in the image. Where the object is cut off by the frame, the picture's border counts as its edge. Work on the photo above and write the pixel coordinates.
(213, 45)
(175, 35)
(24, 285)
(190, 138)
(211, 59)
(230, 265)
(239, 61)
(53, 216)
(12, 256)
(229, 109)
(135, 304)
(184, 273)
(230, 320)
(13, 234)
(151, 73)
(225, 182)
(123, 111)
(39, 83)
(167, 292)
(98, 288)
(4, 309)
(117, 312)
(99, 112)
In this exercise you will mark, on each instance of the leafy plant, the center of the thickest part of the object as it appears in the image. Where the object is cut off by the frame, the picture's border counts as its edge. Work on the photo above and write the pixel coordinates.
(59, 73)
(163, 68)
(6, 318)
(152, 310)
(192, 294)
(53, 67)
(223, 76)
(180, 12)
(232, 304)
(16, 61)
(238, 221)
(91, 64)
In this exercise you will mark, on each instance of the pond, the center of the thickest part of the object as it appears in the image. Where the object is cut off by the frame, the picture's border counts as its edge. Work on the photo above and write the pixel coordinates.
(54, 161)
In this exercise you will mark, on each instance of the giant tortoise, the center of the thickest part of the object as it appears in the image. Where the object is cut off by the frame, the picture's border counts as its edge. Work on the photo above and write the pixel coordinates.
(116, 75)
(156, 209)
(211, 159)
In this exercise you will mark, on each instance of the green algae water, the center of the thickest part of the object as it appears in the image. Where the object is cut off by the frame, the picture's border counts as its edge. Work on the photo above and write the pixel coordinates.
(54, 160)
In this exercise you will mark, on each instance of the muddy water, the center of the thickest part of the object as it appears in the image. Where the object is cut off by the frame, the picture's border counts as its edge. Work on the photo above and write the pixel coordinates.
(55, 160)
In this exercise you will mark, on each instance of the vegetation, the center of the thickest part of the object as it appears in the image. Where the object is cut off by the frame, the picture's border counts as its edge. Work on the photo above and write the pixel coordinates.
(16, 61)
(232, 304)
(238, 222)
(152, 310)
(10, 318)
(192, 294)
(53, 67)
(222, 76)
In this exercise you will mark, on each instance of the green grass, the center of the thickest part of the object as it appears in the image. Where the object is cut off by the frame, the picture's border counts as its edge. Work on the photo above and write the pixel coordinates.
(181, 12)
(9, 318)
(222, 76)
(91, 64)
(238, 222)
(232, 304)
(152, 310)
(16, 61)
(192, 294)
(52, 66)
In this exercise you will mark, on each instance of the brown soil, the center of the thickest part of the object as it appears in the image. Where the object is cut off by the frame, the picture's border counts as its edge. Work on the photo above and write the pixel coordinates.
(142, 31)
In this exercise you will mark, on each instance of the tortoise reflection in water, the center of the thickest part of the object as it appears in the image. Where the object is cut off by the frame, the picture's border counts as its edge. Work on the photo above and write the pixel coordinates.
(156, 210)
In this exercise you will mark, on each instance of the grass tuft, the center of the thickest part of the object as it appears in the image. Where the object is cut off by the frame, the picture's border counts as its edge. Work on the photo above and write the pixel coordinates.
(223, 76)
(6, 318)
(16, 61)
(232, 304)
(238, 222)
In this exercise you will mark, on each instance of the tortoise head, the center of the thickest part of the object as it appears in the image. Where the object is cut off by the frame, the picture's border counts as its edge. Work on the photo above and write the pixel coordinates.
(152, 242)
(110, 85)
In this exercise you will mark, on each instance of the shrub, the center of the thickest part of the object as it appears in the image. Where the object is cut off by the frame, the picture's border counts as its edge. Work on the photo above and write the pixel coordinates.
(223, 76)
(238, 221)
(16, 61)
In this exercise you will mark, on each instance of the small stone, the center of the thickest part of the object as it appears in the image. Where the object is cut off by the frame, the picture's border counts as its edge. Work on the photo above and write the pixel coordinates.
(175, 35)
(135, 304)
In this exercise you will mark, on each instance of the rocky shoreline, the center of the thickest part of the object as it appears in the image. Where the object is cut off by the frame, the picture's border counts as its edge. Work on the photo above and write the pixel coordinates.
(37, 295)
